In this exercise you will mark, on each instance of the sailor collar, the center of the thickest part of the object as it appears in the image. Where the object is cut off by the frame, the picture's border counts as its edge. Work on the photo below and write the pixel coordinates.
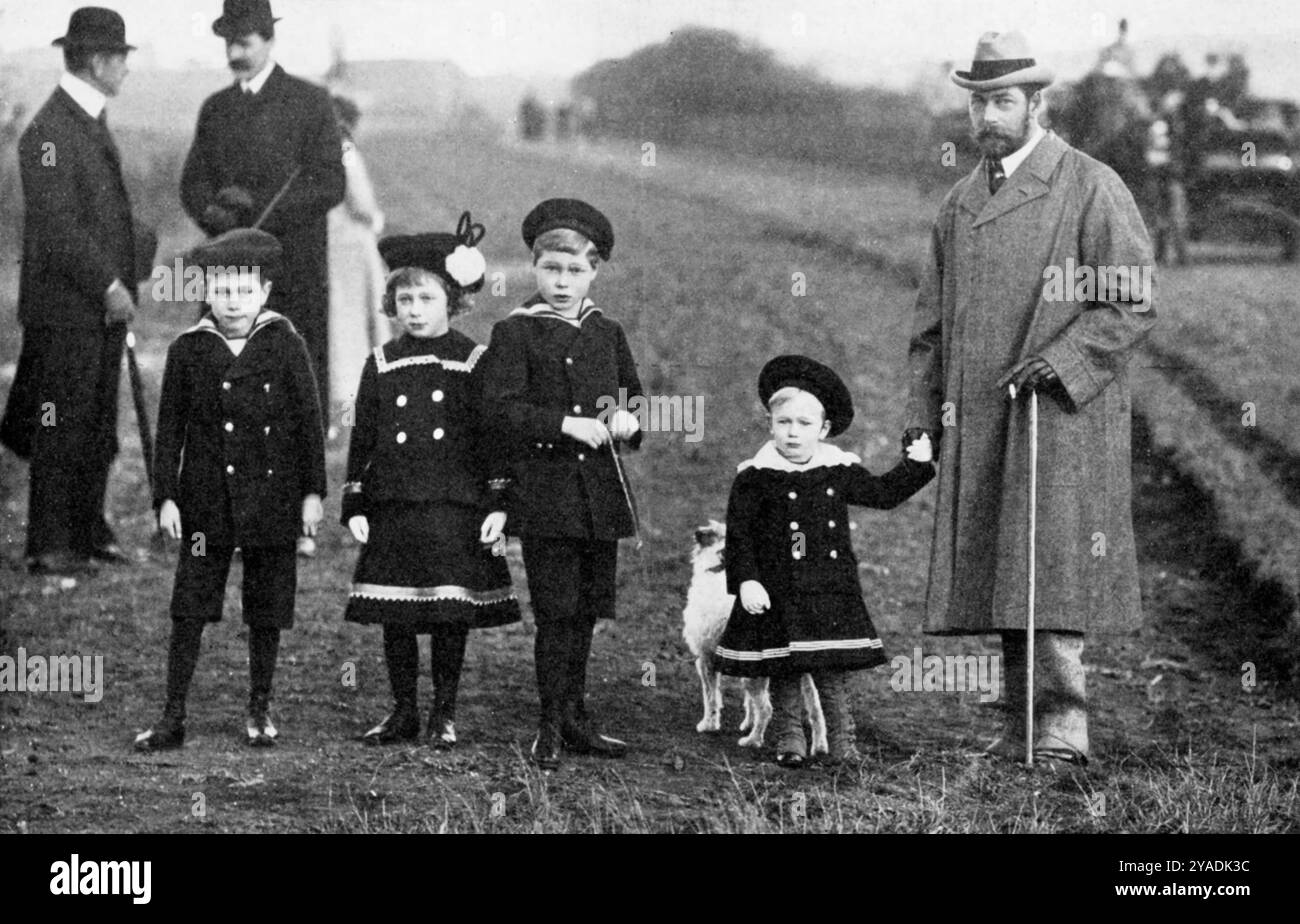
(538, 307)
(425, 356)
(264, 319)
(824, 456)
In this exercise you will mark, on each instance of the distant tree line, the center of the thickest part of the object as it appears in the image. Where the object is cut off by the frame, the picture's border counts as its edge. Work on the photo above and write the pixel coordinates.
(710, 87)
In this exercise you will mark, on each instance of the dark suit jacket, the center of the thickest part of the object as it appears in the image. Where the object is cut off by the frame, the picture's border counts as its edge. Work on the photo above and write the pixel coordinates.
(256, 142)
(538, 371)
(239, 438)
(78, 235)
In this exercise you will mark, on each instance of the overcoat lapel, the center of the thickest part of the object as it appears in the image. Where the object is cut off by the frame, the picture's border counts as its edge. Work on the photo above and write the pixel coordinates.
(1031, 181)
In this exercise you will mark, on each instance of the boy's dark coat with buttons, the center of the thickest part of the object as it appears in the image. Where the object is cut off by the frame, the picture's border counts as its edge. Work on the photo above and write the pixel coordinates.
(788, 528)
(768, 507)
(540, 369)
(240, 442)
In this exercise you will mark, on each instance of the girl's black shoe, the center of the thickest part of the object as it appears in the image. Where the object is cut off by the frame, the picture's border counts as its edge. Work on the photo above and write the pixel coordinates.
(165, 735)
(402, 724)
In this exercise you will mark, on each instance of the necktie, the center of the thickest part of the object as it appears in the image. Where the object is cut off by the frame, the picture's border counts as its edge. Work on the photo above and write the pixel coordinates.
(996, 176)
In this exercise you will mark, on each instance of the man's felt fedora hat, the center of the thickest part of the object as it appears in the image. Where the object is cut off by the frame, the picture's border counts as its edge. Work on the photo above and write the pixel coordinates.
(244, 17)
(96, 29)
(1002, 59)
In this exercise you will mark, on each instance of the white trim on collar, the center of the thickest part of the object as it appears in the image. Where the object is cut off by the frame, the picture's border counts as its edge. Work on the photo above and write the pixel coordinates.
(825, 455)
(451, 365)
(544, 310)
(207, 325)
(83, 94)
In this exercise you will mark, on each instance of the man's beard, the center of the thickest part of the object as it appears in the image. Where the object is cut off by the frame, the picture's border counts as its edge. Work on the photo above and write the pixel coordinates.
(997, 144)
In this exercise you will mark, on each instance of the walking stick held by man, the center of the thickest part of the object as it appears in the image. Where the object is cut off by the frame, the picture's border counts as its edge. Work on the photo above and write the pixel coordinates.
(1030, 572)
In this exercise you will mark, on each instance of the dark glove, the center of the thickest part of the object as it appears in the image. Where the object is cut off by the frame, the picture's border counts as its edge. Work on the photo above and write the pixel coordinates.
(217, 220)
(912, 434)
(1033, 373)
(236, 198)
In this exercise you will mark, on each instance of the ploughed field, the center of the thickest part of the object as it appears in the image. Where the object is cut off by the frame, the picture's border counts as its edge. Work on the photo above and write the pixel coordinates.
(703, 279)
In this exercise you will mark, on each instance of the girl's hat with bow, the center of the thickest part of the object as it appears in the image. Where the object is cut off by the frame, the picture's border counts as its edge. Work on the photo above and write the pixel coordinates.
(454, 258)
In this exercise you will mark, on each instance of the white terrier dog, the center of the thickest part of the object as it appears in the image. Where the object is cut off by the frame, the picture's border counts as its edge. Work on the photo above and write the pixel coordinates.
(708, 607)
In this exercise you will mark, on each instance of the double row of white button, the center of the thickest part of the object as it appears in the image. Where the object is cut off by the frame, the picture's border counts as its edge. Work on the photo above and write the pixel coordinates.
(438, 433)
(794, 526)
(230, 426)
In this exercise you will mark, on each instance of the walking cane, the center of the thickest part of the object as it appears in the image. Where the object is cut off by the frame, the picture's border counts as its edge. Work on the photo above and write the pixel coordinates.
(1031, 576)
(627, 491)
(141, 408)
(275, 200)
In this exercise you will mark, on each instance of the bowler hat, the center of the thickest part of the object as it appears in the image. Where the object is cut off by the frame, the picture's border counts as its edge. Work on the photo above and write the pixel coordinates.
(249, 248)
(95, 29)
(244, 17)
(1002, 59)
(454, 258)
(575, 215)
(811, 376)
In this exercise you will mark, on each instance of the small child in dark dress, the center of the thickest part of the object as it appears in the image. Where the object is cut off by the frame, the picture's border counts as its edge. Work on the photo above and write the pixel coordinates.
(790, 559)
(424, 484)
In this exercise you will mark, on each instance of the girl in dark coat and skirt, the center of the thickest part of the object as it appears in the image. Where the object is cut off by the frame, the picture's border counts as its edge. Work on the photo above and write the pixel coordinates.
(790, 559)
(424, 485)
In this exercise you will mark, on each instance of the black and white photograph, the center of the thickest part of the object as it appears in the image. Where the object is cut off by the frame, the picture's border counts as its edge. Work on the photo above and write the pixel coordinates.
(700, 416)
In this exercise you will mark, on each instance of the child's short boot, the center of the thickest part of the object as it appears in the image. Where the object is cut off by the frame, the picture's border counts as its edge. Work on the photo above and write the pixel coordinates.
(841, 730)
(787, 719)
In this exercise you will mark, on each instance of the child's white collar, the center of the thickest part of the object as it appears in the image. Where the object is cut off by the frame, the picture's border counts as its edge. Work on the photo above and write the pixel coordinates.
(542, 309)
(265, 316)
(824, 455)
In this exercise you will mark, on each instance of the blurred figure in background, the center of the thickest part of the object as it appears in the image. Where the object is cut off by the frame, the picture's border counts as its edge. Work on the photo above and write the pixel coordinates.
(532, 119)
(1116, 59)
(357, 323)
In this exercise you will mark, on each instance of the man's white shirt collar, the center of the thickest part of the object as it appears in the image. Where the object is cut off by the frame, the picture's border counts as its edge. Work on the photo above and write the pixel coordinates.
(85, 96)
(1015, 159)
(255, 83)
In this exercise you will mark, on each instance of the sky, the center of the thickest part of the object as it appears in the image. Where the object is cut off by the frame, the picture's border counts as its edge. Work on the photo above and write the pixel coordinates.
(852, 41)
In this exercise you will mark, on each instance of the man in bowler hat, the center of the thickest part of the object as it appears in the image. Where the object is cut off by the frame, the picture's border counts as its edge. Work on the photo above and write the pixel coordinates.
(76, 297)
(265, 133)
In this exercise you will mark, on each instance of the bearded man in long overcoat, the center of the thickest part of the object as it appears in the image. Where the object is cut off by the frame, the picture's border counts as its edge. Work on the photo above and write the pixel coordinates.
(1040, 277)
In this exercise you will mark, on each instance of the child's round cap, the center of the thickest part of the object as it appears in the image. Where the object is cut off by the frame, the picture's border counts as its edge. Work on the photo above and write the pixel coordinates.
(575, 215)
(818, 380)
(249, 247)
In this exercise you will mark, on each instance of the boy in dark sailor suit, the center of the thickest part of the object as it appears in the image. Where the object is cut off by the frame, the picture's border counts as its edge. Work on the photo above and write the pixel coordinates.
(552, 368)
(240, 463)
(790, 559)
